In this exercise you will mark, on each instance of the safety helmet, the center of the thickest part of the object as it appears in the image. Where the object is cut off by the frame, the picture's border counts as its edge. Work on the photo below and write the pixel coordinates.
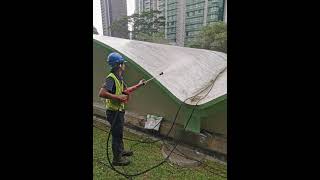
(114, 59)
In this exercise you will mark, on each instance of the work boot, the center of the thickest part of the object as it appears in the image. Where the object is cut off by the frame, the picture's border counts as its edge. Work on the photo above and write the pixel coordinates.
(127, 153)
(122, 161)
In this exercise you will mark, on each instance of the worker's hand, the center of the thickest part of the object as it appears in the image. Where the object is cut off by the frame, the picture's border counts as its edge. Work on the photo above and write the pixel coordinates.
(142, 82)
(122, 97)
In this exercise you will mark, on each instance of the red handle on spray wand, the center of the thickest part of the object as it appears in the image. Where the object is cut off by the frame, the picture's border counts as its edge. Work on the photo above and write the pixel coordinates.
(131, 89)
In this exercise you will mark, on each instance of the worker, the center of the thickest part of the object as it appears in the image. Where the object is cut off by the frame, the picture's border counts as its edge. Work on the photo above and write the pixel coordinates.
(115, 91)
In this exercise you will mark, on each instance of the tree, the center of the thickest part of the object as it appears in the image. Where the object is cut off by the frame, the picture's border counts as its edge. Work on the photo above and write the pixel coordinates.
(157, 37)
(95, 30)
(212, 37)
(147, 26)
(119, 27)
(149, 22)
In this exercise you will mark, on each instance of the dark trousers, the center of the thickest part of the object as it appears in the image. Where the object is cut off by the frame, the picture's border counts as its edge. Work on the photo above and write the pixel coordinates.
(116, 119)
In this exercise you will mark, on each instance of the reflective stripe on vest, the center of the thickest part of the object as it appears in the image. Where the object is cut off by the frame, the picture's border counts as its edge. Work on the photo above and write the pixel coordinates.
(111, 104)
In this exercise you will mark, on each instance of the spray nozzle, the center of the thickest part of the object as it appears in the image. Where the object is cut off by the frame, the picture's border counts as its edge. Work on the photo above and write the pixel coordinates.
(152, 78)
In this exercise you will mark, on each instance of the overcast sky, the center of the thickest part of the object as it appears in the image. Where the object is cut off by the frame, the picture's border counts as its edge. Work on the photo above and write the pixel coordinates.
(97, 21)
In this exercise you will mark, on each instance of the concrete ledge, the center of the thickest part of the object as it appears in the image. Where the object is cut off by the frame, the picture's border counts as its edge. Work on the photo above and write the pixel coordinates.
(179, 159)
(212, 144)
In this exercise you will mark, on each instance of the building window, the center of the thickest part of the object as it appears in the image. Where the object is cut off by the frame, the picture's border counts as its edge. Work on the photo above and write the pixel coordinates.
(213, 17)
(214, 9)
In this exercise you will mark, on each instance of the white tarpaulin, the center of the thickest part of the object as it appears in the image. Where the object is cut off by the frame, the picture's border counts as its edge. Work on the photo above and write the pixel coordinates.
(153, 122)
(186, 70)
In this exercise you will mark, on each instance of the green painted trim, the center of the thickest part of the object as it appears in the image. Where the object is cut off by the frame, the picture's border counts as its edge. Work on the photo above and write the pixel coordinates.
(213, 102)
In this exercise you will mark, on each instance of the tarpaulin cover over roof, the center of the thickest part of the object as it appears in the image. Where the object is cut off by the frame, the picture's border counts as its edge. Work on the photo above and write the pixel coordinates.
(187, 71)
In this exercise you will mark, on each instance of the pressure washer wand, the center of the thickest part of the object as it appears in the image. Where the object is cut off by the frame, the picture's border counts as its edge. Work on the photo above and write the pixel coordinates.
(152, 78)
(130, 90)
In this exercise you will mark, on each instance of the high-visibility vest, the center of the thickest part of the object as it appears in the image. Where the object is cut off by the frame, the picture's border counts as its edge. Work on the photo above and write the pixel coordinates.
(111, 104)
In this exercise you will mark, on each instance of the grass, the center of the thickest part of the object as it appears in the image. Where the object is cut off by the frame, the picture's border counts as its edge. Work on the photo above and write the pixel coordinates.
(146, 156)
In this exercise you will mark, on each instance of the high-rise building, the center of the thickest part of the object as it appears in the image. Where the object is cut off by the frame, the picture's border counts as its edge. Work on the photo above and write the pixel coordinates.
(151, 5)
(112, 10)
(185, 18)
(147, 5)
(137, 6)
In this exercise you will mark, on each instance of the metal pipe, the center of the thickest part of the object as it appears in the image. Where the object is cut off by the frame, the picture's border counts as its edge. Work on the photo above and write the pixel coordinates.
(152, 78)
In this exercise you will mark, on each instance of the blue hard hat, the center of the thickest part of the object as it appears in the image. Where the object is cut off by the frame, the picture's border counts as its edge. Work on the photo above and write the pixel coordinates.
(114, 59)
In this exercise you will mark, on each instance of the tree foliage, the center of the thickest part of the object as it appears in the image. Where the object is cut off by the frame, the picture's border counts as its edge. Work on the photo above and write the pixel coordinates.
(212, 37)
(120, 27)
(147, 26)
